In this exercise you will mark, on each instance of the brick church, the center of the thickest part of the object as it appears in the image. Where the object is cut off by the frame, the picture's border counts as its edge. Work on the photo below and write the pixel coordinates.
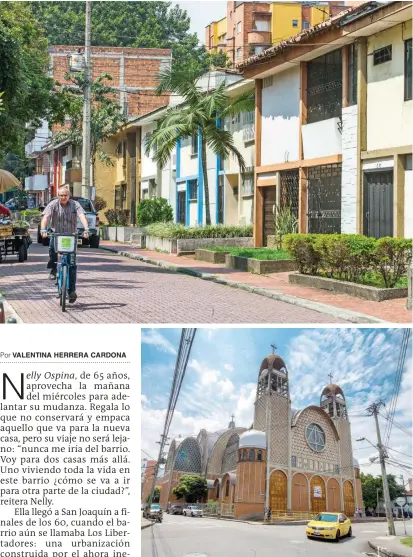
(311, 464)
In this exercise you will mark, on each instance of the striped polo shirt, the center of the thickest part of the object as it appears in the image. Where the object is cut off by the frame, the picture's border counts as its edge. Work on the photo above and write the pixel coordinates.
(64, 217)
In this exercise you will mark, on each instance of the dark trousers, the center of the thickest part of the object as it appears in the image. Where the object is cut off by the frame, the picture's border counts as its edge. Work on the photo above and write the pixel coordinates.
(52, 265)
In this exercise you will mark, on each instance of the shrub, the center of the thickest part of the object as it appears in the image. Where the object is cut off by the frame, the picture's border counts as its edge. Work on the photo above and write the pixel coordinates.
(301, 248)
(117, 217)
(179, 231)
(153, 210)
(100, 203)
(392, 258)
(285, 223)
(31, 213)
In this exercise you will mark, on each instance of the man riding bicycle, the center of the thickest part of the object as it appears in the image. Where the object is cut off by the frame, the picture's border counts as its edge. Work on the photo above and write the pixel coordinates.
(63, 213)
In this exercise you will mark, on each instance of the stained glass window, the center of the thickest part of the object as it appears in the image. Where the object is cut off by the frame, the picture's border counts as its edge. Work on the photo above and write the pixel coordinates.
(315, 437)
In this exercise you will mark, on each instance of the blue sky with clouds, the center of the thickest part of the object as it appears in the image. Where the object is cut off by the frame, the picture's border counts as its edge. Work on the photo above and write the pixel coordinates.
(222, 373)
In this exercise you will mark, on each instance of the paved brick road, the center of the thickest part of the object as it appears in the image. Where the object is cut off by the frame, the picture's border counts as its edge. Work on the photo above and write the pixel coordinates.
(113, 289)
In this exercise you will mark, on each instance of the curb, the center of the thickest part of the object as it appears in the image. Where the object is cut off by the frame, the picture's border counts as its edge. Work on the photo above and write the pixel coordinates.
(9, 311)
(350, 316)
(147, 525)
(383, 551)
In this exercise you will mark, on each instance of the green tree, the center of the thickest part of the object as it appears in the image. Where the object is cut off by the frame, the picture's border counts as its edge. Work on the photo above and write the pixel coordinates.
(156, 495)
(106, 116)
(154, 210)
(191, 488)
(371, 485)
(138, 24)
(197, 116)
(27, 91)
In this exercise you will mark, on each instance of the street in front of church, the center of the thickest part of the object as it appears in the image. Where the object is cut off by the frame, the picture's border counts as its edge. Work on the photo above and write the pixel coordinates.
(179, 536)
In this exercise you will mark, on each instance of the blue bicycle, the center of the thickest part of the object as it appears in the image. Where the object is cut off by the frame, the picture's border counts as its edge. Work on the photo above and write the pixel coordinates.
(64, 245)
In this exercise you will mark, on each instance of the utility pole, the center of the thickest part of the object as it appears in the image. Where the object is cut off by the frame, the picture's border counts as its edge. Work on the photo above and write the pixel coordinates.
(373, 410)
(86, 102)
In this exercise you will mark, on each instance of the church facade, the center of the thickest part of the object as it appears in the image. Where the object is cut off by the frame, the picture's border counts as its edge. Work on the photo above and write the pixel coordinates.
(306, 453)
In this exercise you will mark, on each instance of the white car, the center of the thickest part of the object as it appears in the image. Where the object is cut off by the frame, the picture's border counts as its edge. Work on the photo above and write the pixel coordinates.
(193, 510)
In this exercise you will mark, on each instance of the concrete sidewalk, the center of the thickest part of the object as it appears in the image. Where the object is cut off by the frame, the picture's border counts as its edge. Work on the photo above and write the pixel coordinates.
(276, 286)
(145, 523)
(390, 547)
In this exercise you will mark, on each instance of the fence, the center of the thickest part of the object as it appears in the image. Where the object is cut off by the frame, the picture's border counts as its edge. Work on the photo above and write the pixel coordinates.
(284, 516)
(217, 509)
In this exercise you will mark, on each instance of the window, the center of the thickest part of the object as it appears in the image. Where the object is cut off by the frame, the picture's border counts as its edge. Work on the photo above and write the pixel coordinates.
(315, 437)
(267, 81)
(254, 50)
(261, 25)
(316, 465)
(311, 464)
(227, 488)
(299, 462)
(408, 70)
(382, 55)
(295, 22)
(321, 467)
(305, 462)
(259, 455)
(238, 27)
(352, 74)
(324, 87)
(152, 187)
(294, 461)
(248, 117)
(193, 190)
(194, 145)
(239, 52)
(252, 454)
(336, 469)
(306, 25)
(248, 184)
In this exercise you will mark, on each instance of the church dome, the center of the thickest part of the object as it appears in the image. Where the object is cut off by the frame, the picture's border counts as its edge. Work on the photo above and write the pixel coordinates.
(253, 439)
(356, 463)
(274, 361)
(332, 388)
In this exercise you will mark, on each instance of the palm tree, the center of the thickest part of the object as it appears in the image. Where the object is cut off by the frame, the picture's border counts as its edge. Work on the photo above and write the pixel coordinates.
(197, 115)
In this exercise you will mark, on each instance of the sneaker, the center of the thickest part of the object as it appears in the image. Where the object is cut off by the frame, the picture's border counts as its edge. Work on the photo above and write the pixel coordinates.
(72, 297)
(53, 274)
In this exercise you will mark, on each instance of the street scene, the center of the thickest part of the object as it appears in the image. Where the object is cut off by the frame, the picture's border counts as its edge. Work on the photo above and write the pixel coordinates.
(263, 440)
(240, 143)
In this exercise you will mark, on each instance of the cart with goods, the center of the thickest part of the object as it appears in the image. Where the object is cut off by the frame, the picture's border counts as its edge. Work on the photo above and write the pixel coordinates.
(14, 239)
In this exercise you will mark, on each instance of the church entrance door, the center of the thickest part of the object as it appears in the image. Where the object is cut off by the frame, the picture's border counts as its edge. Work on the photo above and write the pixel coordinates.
(333, 492)
(299, 494)
(317, 495)
(278, 491)
(349, 507)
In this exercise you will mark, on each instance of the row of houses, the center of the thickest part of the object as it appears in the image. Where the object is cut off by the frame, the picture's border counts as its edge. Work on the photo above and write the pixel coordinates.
(330, 136)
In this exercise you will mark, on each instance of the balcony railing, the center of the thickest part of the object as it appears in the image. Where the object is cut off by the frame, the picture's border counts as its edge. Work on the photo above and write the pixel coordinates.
(37, 182)
(259, 38)
(248, 133)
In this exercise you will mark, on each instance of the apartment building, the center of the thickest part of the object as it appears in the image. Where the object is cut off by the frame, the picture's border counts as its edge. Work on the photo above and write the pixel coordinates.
(133, 71)
(326, 145)
(251, 27)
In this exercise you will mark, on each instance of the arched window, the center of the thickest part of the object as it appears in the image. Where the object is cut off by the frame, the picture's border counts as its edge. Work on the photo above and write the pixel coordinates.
(218, 491)
(252, 454)
(259, 455)
(227, 488)
(244, 454)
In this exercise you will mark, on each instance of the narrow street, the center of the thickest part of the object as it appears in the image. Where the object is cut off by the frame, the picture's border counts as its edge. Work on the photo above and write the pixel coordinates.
(180, 536)
(113, 289)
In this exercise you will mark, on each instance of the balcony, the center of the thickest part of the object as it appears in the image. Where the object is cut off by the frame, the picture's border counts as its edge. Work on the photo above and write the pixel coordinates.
(38, 182)
(73, 175)
(248, 133)
(259, 38)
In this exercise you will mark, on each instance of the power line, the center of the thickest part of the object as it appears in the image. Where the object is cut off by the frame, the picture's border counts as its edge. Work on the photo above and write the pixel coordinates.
(409, 433)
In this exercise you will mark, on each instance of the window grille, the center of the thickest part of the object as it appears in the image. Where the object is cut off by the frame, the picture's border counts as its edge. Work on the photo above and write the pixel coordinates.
(299, 462)
(252, 454)
(382, 55)
(408, 70)
(324, 87)
(268, 82)
(294, 461)
(194, 145)
(289, 181)
(193, 190)
(248, 184)
(188, 458)
(248, 117)
(352, 74)
(324, 199)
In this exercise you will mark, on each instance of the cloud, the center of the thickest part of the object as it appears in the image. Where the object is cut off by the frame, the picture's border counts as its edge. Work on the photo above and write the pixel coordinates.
(228, 367)
(155, 338)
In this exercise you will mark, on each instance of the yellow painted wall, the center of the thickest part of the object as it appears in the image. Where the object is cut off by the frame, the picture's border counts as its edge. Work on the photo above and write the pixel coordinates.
(221, 27)
(319, 14)
(282, 20)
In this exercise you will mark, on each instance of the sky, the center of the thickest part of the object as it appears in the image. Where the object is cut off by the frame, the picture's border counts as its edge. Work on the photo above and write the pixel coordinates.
(223, 368)
(202, 12)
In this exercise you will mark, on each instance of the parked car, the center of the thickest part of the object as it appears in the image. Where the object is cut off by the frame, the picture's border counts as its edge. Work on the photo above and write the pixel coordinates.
(193, 510)
(93, 222)
(143, 506)
(175, 509)
(153, 512)
(331, 526)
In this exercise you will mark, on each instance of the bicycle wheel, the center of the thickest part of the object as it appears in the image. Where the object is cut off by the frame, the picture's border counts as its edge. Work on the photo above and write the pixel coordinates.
(63, 288)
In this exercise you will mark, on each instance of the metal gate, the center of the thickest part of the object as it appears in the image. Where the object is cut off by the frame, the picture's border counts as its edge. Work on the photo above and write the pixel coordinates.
(289, 181)
(324, 199)
(220, 199)
(378, 204)
(182, 207)
(269, 212)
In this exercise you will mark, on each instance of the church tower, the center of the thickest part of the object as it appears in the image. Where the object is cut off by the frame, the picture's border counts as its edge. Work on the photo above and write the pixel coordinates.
(333, 402)
(272, 415)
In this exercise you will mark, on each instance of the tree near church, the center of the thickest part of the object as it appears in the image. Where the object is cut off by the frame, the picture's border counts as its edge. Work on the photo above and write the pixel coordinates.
(156, 495)
(372, 486)
(106, 115)
(198, 116)
(191, 488)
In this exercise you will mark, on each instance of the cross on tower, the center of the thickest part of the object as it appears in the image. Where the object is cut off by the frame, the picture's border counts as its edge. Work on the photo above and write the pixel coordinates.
(274, 348)
(331, 377)
(232, 417)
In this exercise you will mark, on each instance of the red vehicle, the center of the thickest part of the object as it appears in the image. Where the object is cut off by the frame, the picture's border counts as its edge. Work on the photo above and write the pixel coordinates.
(4, 211)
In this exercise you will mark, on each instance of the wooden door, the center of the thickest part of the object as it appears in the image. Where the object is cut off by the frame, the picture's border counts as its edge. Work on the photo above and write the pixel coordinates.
(317, 494)
(349, 506)
(333, 491)
(269, 212)
(278, 491)
(299, 495)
